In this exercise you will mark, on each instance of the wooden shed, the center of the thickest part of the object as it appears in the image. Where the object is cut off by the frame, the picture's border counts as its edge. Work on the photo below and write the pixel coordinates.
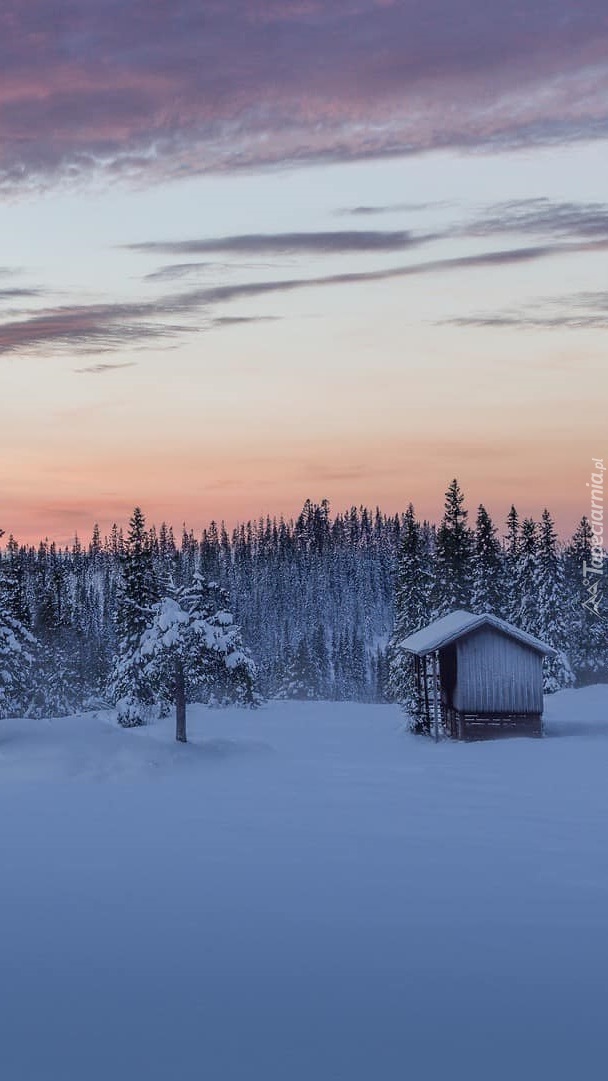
(478, 676)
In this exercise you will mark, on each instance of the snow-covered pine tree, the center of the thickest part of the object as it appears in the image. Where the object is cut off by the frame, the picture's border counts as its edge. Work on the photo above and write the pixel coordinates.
(95, 543)
(358, 664)
(379, 676)
(413, 588)
(299, 679)
(17, 645)
(55, 690)
(320, 661)
(452, 586)
(510, 601)
(488, 569)
(553, 609)
(130, 684)
(15, 582)
(525, 579)
(341, 664)
(64, 658)
(191, 645)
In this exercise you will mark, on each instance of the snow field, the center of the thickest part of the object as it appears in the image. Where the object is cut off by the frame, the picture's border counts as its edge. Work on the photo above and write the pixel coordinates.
(304, 891)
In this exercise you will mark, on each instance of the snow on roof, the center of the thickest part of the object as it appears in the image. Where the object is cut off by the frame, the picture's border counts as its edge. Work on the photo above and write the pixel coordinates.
(456, 624)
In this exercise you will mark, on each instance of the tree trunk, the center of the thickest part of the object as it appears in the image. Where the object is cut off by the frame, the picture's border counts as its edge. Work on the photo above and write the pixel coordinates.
(180, 703)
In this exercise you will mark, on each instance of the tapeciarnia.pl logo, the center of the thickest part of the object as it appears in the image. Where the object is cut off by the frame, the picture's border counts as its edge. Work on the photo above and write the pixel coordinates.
(594, 569)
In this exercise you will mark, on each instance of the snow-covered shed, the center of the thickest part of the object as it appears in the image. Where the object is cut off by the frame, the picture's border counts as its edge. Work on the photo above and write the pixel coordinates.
(484, 677)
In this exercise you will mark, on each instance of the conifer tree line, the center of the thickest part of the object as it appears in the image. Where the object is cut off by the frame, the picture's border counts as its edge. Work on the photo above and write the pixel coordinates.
(308, 608)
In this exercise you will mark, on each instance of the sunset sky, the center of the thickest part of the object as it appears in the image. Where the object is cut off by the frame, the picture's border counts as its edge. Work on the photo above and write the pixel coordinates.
(254, 251)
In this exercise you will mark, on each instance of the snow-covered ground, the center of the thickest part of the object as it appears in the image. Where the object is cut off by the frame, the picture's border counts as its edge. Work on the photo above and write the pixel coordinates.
(303, 893)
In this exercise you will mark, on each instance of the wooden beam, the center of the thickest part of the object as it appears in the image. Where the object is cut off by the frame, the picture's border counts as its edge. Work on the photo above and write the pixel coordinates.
(427, 709)
(435, 699)
(419, 692)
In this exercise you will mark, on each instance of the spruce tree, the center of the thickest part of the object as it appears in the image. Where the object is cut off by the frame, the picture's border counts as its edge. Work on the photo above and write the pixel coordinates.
(414, 582)
(525, 579)
(320, 662)
(488, 578)
(16, 650)
(358, 665)
(192, 645)
(131, 686)
(14, 583)
(56, 689)
(95, 543)
(510, 603)
(588, 608)
(552, 624)
(380, 676)
(301, 673)
(452, 588)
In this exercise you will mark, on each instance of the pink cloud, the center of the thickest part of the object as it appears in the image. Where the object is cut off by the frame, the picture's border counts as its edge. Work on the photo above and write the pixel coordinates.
(168, 87)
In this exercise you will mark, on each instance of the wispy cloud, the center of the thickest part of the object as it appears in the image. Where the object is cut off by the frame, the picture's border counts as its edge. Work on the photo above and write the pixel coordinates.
(559, 229)
(101, 369)
(540, 217)
(82, 327)
(324, 243)
(389, 208)
(577, 311)
(175, 271)
(240, 320)
(105, 327)
(18, 294)
(163, 89)
(171, 272)
(222, 294)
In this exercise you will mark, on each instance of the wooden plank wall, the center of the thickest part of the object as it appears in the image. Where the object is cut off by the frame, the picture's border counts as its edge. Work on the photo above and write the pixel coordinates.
(497, 674)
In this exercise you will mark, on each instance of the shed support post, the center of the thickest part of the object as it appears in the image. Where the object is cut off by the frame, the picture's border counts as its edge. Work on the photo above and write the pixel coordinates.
(418, 690)
(427, 709)
(435, 699)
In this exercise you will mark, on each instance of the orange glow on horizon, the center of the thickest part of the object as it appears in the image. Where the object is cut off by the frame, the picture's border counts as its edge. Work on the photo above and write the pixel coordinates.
(389, 476)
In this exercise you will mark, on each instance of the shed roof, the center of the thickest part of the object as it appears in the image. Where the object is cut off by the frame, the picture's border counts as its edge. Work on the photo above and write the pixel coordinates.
(456, 624)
